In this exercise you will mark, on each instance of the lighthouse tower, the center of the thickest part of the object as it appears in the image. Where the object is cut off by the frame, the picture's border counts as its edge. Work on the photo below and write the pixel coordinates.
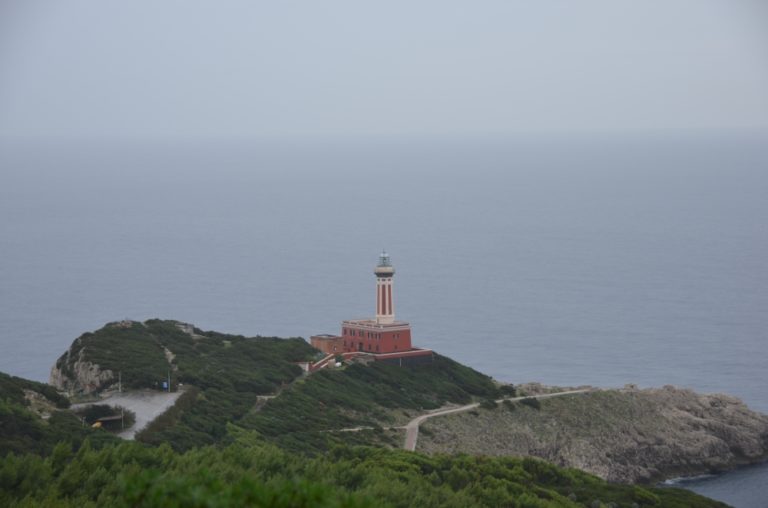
(385, 310)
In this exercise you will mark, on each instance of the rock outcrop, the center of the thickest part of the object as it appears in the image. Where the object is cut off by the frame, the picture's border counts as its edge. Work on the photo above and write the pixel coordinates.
(73, 373)
(626, 436)
(138, 354)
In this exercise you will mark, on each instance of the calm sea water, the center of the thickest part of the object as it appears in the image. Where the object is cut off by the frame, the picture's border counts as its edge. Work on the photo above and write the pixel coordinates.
(598, 261)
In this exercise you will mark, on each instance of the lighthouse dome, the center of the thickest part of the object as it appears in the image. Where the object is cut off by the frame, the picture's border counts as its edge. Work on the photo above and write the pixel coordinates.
(384, 268)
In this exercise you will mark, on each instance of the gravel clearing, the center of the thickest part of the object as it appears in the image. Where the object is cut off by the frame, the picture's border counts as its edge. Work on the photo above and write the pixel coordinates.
(147, 405)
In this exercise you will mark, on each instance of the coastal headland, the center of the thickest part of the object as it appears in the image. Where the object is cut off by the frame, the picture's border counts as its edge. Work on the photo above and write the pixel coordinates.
(254, 391)
(624, 435)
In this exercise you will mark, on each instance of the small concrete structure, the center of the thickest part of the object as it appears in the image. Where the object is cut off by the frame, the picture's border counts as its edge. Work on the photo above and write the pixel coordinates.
(326, 343)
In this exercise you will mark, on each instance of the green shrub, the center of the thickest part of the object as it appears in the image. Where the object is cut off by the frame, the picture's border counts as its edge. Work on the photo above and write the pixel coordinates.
(164, 422)
(362, 396)
(228, 372)
(24, 431)
(507, 390)
(531, 402)
(488, 404)
(92, 413)
(250, 473)
(12, 388)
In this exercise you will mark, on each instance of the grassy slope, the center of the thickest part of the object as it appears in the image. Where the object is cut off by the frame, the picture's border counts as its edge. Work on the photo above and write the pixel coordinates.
(362, 396)
(227, 372)
(12, 390)
(130, 350)
(22, 430)
(210, 360)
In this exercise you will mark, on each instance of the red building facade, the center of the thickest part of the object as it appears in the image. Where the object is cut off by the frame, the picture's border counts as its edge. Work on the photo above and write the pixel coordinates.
(371, 337)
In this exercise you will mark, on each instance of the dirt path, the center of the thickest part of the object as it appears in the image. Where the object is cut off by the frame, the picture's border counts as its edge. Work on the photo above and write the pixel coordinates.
(147, 405)
(412, 428)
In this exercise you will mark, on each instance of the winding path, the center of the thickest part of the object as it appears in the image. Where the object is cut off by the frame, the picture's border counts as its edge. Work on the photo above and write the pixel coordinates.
(412, 428)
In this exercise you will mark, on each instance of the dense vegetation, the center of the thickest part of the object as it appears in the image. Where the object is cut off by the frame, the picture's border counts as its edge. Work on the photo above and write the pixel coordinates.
(112, 418)
(12, 390)
(251, 473)
(23, 430)
(124, 348)
(204, 359)
(362, 395)
(218, 447)
(224, 374)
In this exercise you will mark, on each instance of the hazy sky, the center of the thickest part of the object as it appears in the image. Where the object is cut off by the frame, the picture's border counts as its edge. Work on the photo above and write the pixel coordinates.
(254, 68)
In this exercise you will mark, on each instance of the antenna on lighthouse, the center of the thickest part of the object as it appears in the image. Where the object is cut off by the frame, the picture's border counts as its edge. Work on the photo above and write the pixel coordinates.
(384, 259)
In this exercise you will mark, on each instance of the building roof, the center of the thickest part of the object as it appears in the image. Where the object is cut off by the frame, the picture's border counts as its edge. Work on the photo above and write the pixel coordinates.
(372, 323)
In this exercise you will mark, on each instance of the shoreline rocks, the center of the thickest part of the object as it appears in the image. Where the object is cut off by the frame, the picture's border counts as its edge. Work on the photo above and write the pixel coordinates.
(625, 436)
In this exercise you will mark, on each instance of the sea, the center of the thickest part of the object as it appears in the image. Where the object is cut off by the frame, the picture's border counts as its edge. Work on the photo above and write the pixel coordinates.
(599, 259)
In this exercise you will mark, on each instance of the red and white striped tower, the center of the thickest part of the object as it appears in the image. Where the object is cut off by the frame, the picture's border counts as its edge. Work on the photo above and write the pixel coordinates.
(385, 310)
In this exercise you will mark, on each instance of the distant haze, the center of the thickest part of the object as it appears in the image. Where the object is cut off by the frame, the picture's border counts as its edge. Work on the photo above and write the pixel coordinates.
(85, 68)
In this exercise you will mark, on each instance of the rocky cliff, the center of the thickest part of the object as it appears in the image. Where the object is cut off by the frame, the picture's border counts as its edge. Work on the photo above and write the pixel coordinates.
(73, 373)
(149, 354)
(627, 435)
(128, 349)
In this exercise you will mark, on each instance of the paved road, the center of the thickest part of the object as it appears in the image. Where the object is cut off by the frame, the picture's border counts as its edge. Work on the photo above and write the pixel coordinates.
(412, 429)
(147, 405)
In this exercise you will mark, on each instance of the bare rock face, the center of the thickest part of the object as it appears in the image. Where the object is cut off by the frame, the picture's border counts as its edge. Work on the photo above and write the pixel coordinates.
(623, 436)
(39, 404)
(135, 353)
(73, 373)
(189, 329)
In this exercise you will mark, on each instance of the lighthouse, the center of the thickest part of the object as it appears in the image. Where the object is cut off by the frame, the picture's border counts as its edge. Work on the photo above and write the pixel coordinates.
(384, 271)
(382, 337)
(381, 334)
